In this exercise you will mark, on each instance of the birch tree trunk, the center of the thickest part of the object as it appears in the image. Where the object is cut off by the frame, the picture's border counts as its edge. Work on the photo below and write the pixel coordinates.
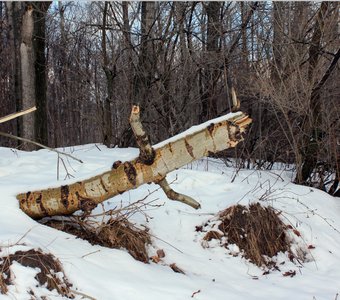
(211, 137)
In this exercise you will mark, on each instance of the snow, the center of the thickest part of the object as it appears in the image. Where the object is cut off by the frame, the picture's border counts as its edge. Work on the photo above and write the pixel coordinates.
(197, 128)
(211, 273)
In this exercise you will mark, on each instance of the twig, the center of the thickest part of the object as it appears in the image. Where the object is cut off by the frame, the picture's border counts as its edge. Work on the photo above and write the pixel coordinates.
(82, 294)
(17, 114)
(93, 252)
(38, 144)
(172, 246)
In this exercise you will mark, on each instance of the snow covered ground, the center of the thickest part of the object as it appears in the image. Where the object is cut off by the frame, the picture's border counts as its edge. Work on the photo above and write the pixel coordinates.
(210, 273)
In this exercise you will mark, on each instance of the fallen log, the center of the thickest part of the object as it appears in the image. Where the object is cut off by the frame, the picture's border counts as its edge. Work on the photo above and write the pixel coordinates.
(198, 141)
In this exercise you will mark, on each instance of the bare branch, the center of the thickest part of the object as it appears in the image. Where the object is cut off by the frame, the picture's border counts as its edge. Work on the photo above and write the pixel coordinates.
(17, 114)
(38, 144)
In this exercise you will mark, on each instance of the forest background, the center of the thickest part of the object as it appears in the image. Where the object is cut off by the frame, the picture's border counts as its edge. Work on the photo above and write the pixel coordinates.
(84, 64)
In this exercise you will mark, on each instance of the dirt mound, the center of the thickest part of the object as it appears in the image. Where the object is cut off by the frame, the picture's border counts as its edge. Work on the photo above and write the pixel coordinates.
(49, 275)
(115, 233)
(257, 231)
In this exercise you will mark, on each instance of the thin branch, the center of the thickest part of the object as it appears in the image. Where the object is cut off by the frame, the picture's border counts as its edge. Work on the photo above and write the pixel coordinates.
(17, 114)
(328, 72)
(38, 144)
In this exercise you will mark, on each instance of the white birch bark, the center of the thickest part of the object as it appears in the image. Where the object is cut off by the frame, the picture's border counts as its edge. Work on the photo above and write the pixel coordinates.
(199, 141)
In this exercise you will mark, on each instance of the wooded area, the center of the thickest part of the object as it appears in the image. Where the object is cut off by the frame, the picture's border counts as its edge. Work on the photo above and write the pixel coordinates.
(83, 65)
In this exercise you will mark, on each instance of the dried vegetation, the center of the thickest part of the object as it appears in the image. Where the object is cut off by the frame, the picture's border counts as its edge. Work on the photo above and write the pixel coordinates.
(257, 231)
(50, 273)
(115, 233)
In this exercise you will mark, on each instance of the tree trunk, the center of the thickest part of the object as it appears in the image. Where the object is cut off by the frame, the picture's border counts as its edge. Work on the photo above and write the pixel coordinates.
(212, 71)
(109, 70)
(33, 72)
(41, 132)
(313, 123)
(278, 34)
(210, 137)
(27, 59)
(14, 18)
(145, 70)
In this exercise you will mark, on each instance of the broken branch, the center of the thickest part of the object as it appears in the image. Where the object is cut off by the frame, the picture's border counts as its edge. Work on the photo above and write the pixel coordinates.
(17, 114)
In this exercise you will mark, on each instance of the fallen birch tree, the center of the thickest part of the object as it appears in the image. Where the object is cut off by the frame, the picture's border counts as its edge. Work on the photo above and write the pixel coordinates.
(152, 165)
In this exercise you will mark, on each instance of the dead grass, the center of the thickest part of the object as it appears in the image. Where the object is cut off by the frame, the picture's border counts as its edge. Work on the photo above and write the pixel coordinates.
(256, 230)
(49, 275)
(115, 233)
(3, 285)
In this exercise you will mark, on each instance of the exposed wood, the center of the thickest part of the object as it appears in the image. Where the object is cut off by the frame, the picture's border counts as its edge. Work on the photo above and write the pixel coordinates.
(147, 153)
(235, 101)
(17, 114)
(211, 137)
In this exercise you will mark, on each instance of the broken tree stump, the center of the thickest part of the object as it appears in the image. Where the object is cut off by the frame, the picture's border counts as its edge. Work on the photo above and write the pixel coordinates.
(198, 141)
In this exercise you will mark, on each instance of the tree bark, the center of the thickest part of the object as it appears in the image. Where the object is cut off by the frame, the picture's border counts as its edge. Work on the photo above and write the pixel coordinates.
(39, 44)
(27, 59)
(211, 137)
(278, 39)
(14, 19)
(313, 125)
(110, 74)
(146, 66)
(212, 71)
(33, 72)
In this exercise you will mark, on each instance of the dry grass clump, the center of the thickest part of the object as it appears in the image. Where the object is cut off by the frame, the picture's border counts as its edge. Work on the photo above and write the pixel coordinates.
(115, 233)
(3, 285)
(256, 230)
(49, 275)
(123, 234)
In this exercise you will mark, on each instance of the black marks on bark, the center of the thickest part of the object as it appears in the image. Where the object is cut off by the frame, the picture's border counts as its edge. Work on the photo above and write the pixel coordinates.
(147, 158)
(130, 172)
(39, 202)
(143, 141)
(211, 154)
(116, 164)
(86, 204)
(170, 147)
(189, 149)
(64, 192)
(238, 134)
(211, 128)
(103, 185)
